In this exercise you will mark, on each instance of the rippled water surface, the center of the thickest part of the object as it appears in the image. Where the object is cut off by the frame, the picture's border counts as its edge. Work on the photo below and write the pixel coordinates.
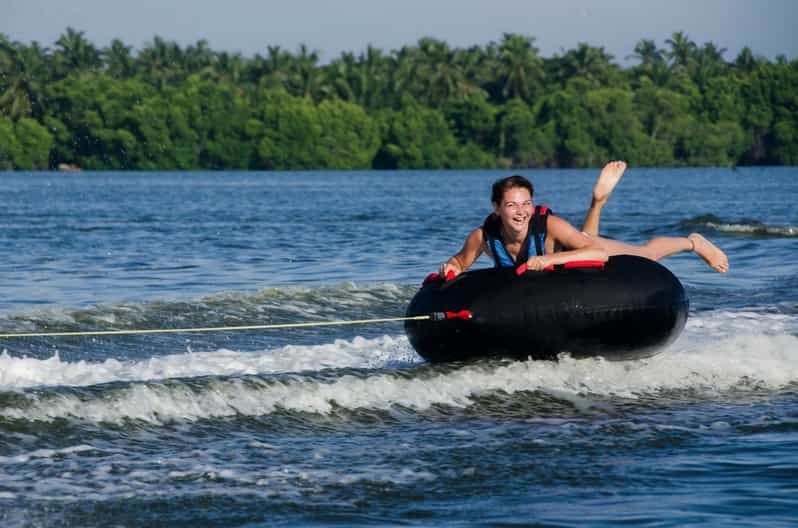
(347, 424)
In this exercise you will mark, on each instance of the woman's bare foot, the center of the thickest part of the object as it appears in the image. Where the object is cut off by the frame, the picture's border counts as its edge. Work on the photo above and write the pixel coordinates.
(607, 180)
(712, 255)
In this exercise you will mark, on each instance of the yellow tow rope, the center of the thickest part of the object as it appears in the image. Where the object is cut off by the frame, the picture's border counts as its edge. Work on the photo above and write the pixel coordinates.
(215, 328)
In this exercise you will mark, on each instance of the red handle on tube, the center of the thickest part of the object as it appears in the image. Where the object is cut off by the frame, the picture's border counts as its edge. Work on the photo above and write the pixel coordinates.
(584, 264)
(464, 315)
(431, 277)
(574, 264)
(435, 276)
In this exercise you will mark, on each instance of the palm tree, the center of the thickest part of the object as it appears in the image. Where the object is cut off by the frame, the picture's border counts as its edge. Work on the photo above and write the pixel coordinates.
(305, 78)
(478, 71)
(373, 78)
(487, 71)
(75, 52)
(199, 58)
(588, 62)
(439, 72)
(276, 68)
(23, 73)
(708, 63)
(227, 67)
(652, 63)
(682, 52)
(118, 60)
(359, 80)
(342, 76)
(745, 61)
(648, 54)
(404, 73)
(430, 72)
(161, 61)
(520, 67)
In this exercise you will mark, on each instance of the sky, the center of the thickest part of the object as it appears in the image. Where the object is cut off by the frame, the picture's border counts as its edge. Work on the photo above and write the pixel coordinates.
(334, 26)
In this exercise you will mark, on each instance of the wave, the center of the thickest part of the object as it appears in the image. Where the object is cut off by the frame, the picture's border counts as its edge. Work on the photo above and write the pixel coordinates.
(274, 305)
(709, 358)
(385, 351)
(25, 372)
(741, 227)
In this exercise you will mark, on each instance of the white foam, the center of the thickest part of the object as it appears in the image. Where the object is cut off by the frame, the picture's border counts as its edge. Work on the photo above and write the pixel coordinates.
(775, 230)
(719, 324)
(718, 350)
(768, 361)
(16, 373)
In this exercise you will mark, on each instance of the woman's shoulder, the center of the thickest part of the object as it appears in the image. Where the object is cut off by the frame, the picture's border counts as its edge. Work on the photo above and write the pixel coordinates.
(555, 224)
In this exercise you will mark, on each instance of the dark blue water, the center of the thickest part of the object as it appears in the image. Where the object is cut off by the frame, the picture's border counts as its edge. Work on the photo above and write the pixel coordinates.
(347, 425)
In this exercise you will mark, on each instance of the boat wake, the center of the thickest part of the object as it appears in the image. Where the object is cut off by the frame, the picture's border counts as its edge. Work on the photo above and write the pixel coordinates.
(718, 352)
(361, 353)
(741, 227)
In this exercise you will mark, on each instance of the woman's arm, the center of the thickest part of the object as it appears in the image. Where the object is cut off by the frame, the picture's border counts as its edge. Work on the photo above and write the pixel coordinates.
(580, 246)
(472, 249)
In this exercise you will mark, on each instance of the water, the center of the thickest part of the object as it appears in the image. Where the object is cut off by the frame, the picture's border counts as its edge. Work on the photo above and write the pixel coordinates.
(347, 425)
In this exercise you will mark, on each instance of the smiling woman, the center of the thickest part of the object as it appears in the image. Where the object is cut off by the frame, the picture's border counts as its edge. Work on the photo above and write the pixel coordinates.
(508, 234)
(515, 224)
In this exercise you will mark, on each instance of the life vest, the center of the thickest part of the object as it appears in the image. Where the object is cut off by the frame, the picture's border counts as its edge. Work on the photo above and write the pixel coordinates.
(536, 234)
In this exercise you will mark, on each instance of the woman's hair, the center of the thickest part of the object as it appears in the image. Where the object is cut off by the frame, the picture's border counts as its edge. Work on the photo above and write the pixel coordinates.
(505, 184)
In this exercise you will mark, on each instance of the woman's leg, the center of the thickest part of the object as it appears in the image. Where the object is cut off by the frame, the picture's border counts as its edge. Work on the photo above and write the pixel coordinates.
(662, 247)
(608, 178)
(654, 249)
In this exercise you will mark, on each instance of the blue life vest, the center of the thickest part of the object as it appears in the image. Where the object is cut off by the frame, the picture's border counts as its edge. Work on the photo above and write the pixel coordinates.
(536, 233)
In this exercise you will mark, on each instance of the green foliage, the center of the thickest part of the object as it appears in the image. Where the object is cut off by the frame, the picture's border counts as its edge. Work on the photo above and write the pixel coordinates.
(713, 144)
(24, 145)
(472, 119)
(206, 124)
(418, 137)
(423, 106)
(295, 133)
(8, 145)
(522, 142)
(785, 139)
(350, 138)
(34, 145)
(415, 137)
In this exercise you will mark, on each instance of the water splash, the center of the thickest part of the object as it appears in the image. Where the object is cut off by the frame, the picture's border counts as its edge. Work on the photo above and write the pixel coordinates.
(697, 364)
(742, 227)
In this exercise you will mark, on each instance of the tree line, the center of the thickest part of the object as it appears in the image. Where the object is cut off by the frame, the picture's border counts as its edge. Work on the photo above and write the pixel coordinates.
(426, 105)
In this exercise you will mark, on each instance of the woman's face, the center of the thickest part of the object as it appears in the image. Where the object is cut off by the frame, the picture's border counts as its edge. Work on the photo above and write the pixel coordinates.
(515, 209)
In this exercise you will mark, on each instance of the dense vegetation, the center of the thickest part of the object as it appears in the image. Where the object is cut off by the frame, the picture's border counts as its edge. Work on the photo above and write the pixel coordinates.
(423, 106)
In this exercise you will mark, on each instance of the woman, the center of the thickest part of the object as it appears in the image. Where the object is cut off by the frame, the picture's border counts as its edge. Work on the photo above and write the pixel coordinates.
(517, 232)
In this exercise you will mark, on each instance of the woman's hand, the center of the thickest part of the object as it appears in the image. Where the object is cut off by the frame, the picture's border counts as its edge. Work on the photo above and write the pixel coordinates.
(537, 263)
(450, 266)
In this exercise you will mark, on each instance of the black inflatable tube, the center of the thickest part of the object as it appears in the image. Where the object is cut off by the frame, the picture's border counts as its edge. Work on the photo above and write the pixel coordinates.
(630, 309)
